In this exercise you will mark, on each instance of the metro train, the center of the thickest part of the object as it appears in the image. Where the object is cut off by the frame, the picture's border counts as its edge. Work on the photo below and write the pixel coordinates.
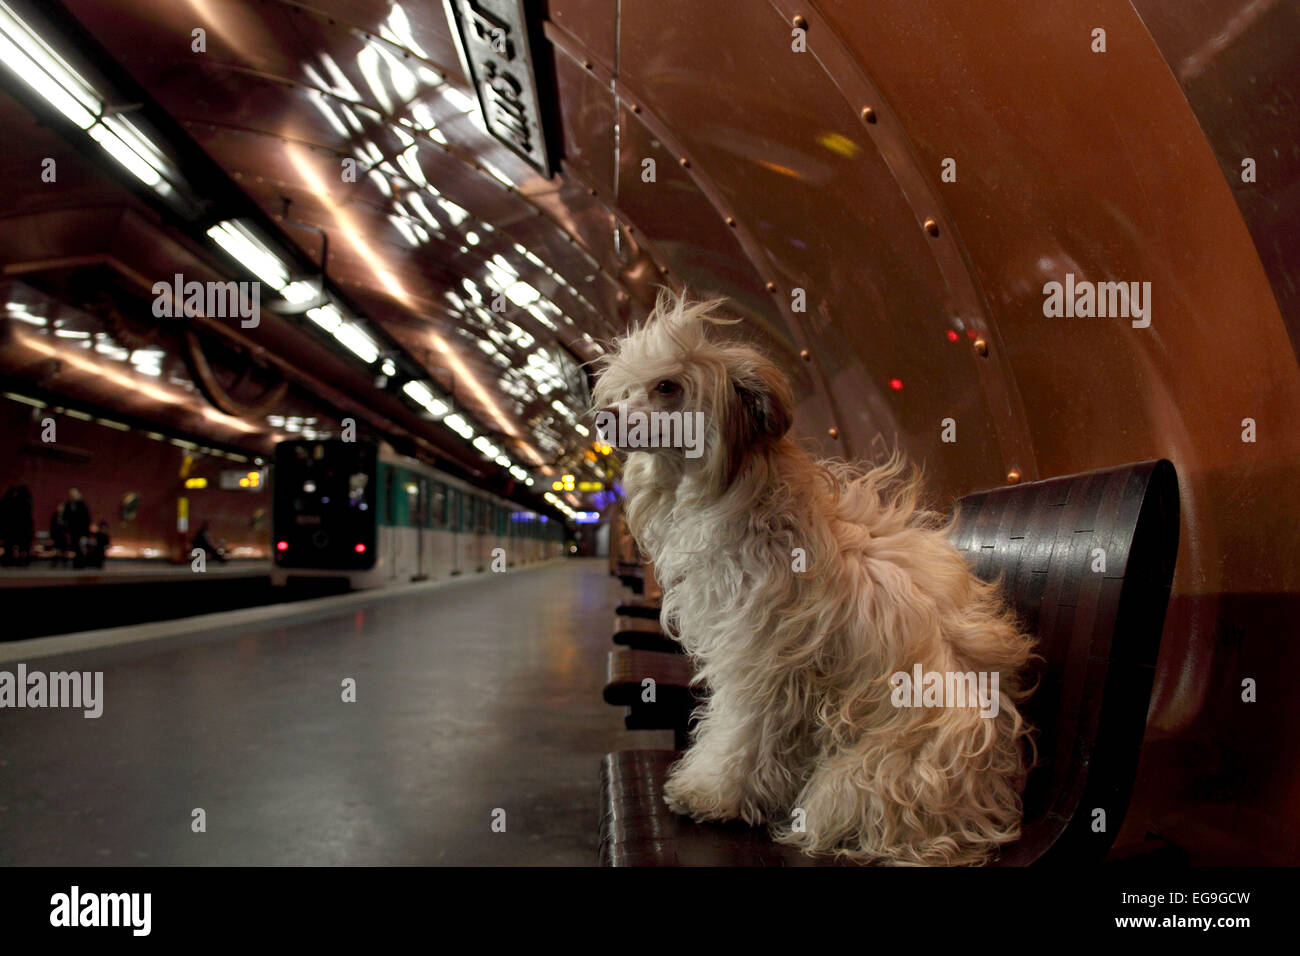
(358, 510)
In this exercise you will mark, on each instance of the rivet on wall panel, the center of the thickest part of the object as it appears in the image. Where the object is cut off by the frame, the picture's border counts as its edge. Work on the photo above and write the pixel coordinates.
(805, 355)
(800, 22)
(731, 221)
(771, 287)
(932, 227)
(686, 163)
(635, 108)
(1013, 477)
(868, 114)
(981, 347)
(834, 433)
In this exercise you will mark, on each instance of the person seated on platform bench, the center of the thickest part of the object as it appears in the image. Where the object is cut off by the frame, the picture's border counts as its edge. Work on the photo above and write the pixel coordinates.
(203, 541)
(98, 545)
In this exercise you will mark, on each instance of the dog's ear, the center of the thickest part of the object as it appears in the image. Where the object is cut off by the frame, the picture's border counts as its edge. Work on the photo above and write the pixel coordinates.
(764, 403)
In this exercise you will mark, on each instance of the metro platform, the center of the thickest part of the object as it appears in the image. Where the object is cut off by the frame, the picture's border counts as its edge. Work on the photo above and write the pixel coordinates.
(472, 697)
(39, 574)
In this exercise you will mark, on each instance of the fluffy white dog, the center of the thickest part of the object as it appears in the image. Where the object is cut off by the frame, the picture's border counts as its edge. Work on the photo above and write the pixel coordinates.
(808, 594)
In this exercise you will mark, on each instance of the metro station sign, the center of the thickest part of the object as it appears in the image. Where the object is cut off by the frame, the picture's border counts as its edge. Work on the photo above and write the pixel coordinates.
(492, 38)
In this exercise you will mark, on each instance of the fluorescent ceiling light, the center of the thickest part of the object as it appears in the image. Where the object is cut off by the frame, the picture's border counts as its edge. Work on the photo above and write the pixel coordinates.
(458, 424)
(35, 63)
(418, 391)
(300, 292)
(421, 393)
(326, 316)
(134, 163)
(354, 337)
(486, 447)
(237, 240)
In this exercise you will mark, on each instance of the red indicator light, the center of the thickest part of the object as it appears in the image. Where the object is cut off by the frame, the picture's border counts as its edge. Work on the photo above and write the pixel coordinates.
(952, 335)
(896, 384)
(360, 549)
(282, 546)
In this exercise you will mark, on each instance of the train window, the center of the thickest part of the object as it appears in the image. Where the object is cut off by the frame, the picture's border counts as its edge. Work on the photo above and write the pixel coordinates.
(358, 482)
(415, 500)
(390, 496)
(438, 505)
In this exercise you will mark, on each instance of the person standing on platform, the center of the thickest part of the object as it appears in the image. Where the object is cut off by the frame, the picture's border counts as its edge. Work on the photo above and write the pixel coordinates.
(58, 538)
(24, 526)
(76, 521)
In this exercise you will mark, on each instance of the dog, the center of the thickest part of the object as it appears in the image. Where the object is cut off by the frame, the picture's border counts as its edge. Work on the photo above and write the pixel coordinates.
(809, 594)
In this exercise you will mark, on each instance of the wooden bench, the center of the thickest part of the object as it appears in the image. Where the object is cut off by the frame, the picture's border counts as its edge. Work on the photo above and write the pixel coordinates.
(643, 635)
(632, 576)
(668, 707)
(1099, 635)
(638, 607)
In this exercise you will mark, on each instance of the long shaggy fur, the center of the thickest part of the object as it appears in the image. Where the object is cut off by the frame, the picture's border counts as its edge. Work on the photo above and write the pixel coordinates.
(797, 663)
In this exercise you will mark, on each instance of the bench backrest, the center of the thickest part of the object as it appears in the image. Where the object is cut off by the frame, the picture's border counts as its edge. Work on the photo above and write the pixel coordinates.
(1087, 562)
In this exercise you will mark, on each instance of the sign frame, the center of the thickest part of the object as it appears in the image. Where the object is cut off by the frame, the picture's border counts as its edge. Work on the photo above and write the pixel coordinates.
(495, 48)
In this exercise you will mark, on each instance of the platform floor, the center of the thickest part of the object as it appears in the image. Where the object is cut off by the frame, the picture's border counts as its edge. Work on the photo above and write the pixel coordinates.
(480, 695)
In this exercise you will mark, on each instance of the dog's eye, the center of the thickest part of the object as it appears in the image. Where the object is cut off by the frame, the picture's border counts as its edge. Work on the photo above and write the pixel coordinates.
(667, 387)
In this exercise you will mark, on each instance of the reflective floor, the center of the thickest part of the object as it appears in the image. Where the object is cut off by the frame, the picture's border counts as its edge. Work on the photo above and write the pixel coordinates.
(481, 696)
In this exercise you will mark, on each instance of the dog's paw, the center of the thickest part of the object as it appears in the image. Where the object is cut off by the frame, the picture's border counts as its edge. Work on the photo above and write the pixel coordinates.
(705, 801)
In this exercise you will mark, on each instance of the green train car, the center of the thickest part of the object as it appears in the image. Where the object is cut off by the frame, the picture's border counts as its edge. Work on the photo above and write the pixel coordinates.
(360, 511)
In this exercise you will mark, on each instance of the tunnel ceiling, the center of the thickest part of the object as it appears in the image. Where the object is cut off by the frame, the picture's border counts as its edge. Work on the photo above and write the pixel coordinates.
(882, 191)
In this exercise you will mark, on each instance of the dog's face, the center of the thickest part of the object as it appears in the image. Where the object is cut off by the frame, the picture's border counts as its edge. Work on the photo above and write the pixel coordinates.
(671, 390)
